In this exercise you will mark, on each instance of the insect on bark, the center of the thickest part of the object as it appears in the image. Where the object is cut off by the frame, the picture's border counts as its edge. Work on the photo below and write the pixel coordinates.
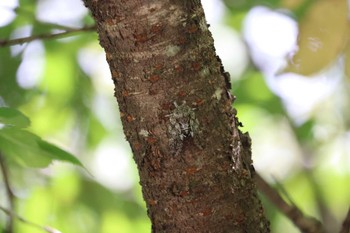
(182, 125)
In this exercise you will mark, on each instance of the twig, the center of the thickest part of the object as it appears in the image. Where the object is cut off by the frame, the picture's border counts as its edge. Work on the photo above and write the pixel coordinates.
(328, 219)
(284, 192)
(346, 224)
(46, 36)
(304, 223)
(9, 192)
(23, 220)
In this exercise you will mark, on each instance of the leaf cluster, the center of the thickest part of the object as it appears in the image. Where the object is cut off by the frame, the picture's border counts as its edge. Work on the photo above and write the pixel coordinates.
(24, 148)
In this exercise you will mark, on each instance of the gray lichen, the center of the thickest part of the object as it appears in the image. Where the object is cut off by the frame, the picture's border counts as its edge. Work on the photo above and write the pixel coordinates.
(172, 50)
(144, 133)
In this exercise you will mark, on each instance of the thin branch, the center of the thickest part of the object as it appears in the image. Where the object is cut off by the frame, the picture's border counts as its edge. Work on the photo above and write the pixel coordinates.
(304, 223)
(346, 224)
(9, 192)
(23, 220)
(46, 36)
(328, 219)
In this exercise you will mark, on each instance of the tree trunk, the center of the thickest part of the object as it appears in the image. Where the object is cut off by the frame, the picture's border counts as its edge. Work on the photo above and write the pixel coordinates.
(194, 163)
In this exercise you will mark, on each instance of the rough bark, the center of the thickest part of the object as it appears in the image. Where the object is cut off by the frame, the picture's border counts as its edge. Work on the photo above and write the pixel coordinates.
(173, 94)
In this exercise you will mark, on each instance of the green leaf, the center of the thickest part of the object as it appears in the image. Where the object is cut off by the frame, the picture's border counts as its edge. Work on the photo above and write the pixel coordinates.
(321, 39)
(304, 132)
(28, 150)
(21, 147)
(57, 153)
(12, 94)
(11, 116)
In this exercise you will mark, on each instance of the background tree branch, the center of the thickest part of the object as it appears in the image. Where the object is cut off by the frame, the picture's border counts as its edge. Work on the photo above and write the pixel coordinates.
(25, 221)
(46, 36)
(346, 223)
(9, 192)
(306, 224)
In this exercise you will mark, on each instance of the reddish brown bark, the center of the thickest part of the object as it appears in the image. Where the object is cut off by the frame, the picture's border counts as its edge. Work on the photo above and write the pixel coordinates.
(194, 163)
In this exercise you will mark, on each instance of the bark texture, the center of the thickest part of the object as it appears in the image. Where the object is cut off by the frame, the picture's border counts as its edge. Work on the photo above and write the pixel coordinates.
(194, 163)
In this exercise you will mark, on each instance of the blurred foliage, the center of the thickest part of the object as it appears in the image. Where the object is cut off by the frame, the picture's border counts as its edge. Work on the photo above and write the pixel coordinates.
(320, 42)
(24, 148)
(71, 104)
